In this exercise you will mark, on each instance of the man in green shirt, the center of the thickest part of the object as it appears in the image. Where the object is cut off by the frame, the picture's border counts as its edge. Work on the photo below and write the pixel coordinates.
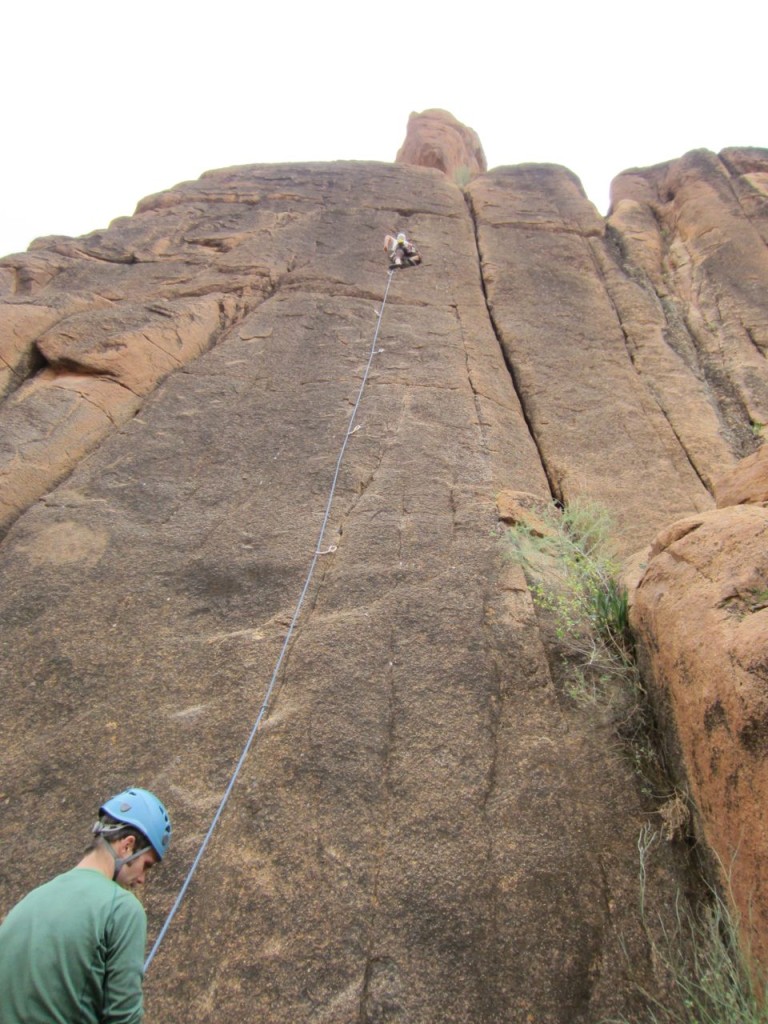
(72, 950)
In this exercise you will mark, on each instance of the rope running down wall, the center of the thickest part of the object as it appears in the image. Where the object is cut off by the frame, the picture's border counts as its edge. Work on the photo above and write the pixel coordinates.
(267, 697)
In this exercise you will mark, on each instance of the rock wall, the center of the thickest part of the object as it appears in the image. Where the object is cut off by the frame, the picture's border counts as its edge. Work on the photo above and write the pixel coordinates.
(426, 828)
(700, 612)
(696, 228)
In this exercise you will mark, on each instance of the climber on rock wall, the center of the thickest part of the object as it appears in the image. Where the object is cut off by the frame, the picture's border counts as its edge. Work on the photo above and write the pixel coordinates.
(73, 949)
(402, 253)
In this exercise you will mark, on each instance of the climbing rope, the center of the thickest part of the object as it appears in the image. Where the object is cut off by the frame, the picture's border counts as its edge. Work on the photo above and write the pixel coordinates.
(268, 695)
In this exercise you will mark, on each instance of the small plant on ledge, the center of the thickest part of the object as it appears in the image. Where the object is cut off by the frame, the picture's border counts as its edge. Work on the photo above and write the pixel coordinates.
(573, 575)
(572, 572)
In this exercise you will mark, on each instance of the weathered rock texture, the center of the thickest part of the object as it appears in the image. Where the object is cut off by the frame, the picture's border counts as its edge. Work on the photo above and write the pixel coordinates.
(426, 829)
(697, 228)
(701, 613)
(436, 139)
(747, 483)
(576, 331)
(693, 233)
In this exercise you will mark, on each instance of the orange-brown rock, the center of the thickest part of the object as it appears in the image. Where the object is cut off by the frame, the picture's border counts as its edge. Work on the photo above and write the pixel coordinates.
(49, 425)
(134, 345)
(22, 323)
(747, 483)
(435, 138)
(99, 364)
(700, 612)
(516, 508)
(19, 324)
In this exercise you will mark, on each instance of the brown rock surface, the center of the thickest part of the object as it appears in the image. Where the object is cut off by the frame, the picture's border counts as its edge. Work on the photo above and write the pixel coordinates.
(712, 263)
(19, 324)
(747, 483)
(517, 508)
(426, 829)
(98, 364)
(551, 283)
(49, 425)
(436, 139)
(701, 614)
(22, 323)
(136, 346)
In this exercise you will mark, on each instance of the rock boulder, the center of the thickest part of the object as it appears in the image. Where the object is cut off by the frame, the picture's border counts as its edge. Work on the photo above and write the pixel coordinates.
(700, 612)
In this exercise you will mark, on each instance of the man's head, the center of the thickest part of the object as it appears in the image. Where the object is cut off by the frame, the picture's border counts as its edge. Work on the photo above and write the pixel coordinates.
(132, 857)
(136, 829)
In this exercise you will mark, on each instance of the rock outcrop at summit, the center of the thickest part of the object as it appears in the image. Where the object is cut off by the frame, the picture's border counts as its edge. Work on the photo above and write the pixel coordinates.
(436, 139)
(427, 828)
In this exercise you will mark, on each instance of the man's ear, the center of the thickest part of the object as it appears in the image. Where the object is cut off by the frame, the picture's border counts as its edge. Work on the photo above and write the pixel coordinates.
(127, 845)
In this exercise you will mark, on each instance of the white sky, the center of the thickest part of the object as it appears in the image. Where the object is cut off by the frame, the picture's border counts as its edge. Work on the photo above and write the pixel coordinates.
(106, 102)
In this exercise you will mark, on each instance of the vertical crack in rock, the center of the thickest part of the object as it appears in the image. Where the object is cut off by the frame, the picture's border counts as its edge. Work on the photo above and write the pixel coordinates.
(729, 160)
(679, 334)
(631, 349)
(481, 427)
(598, 434)
(711, 254)
(703, 322)
(553, 487)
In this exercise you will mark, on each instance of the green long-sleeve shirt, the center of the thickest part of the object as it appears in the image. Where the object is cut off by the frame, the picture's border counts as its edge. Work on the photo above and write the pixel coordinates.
(72, 952)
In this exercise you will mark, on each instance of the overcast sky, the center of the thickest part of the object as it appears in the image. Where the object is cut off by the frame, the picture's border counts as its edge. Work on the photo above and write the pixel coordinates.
(104, 103)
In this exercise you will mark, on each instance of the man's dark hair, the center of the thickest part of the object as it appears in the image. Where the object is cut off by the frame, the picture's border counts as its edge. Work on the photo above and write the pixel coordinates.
(112, 831)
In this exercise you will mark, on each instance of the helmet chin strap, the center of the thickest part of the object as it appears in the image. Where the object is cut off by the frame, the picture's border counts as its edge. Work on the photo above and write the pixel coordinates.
(120, 862)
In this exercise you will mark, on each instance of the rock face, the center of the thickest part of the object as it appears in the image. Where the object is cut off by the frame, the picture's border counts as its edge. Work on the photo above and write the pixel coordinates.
(747, 483)
(586, 346)
(694, 233)
(701, 613)
(426, 829)
(700, 227)
(436, 139)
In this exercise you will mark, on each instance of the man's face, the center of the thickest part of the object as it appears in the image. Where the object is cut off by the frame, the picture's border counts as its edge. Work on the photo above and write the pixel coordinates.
(134, 873)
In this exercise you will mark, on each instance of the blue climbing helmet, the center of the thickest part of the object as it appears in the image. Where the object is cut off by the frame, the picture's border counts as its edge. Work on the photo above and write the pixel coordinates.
(143, 811)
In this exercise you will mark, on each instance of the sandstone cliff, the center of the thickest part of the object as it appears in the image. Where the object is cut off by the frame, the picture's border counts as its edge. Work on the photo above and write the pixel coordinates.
(426, 829)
